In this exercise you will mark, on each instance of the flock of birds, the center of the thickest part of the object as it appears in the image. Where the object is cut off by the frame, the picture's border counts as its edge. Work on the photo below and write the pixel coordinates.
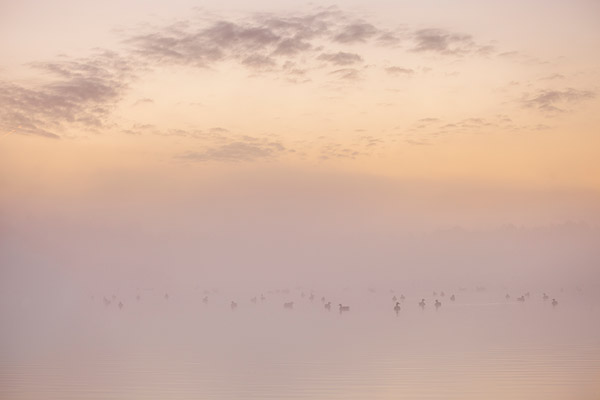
(397, 301)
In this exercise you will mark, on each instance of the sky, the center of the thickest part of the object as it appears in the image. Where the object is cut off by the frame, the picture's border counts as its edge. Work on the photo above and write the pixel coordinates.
(279, 140)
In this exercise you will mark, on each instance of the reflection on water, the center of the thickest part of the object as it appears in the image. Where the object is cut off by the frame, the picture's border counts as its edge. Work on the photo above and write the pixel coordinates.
(479, 346)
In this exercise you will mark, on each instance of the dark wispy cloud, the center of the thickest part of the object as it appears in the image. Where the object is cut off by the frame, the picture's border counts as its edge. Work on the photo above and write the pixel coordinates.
(244, 149)
(356, 32)
(427, 129)
(394, 70)
(448, 43)
(82, 93)
(336, 150)
(347, 74)
(78, 92)
(264, 37)
(341, 58)
(553, 101)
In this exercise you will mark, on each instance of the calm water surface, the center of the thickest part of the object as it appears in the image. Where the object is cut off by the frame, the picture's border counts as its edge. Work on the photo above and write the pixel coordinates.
(480, 346)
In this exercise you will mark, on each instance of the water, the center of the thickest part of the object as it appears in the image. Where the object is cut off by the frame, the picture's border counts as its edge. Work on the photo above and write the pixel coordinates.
(481, 346)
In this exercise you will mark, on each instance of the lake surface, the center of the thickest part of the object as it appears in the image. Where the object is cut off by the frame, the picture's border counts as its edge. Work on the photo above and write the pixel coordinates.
(480, 346)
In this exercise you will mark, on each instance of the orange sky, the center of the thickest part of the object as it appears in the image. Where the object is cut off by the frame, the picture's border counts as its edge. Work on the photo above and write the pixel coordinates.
(436, 94)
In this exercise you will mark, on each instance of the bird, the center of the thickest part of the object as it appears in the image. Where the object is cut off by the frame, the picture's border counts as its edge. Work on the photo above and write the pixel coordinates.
(394, 299)
(205, 299)
(233, 305)
(344, 308)
(554, 303)
(323, 299)
(166, 296)
(120, 305)
(397, 308)
(507, 296)
(438, 304)
(545, 297)
(402, 298)
(442, 294)
(137, 297)
(288, 305)
(253, 299)
(262, 297)
(328, 306)
(422, 303)
(521, 299)
(452, 298)
(106, 302)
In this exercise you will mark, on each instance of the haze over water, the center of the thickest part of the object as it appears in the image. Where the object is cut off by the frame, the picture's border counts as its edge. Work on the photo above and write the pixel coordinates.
(198, 154)
(480, 345)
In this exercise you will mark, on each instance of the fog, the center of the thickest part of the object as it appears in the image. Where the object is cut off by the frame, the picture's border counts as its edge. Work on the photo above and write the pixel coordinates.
(121, 289)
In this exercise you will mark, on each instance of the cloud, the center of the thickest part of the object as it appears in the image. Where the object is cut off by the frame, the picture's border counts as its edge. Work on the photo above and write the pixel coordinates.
(264, 36)
(291, 47)
(259, 62)
(80, 92)
(356, 33)
(336, 150)
(399, 71)
(145, 100)
(341, 58)
(245, 149)
(348, 74)
(447, 43)
(551, 101)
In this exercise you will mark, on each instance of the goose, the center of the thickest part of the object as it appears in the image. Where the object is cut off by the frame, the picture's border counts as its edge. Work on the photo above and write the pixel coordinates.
(312, 297)
(120, 305)
(422, 303)
(288, 305)
(521, 299)
(438, 304)
(344, 308)
(452, 298)
(507, 296)
(442, 294)
(554, 303)
(397, 308)
(545, 297)
(394, 299)
(233, 305)
(106, 302)
(328, 305)
(402, 298)
(323, 299)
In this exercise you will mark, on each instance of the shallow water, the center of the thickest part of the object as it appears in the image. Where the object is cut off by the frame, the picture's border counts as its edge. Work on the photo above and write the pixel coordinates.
(480, 346)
